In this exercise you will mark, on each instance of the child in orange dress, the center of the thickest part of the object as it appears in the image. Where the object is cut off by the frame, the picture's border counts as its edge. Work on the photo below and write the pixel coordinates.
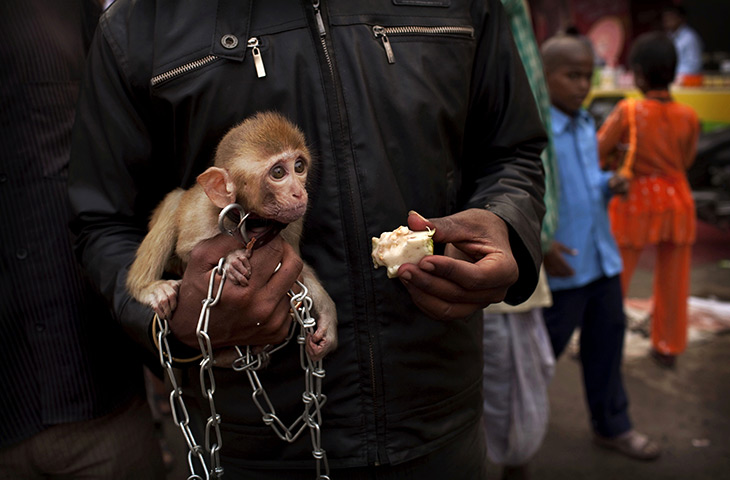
(658, 210)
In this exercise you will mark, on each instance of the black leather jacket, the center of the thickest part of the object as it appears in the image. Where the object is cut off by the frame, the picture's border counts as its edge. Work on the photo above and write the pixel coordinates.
(431, 112)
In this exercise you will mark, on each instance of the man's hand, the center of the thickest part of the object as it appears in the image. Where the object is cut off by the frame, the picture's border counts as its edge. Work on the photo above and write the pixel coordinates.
(554, 261)
(254, 314)
(476, 269)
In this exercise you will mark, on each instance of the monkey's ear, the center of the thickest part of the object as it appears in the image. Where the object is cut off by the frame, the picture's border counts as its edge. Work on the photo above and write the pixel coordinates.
(218, 186)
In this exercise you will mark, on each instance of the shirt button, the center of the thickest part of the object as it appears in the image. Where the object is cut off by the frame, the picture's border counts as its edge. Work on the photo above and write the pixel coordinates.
(22, 254)
(40, 327)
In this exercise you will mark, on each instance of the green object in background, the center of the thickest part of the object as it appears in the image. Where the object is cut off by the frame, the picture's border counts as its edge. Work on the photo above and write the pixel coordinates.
(708, 127)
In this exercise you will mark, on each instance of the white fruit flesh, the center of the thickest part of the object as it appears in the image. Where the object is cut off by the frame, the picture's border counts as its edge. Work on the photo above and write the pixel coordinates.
(400, 246)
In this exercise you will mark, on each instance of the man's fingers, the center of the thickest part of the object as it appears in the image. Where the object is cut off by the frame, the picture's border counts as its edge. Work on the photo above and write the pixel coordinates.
(565, 249)
(446, 229)
(485, 274)
(438, 308)
(277, 328)
(206, 254)
(449, 291)
(265, 271)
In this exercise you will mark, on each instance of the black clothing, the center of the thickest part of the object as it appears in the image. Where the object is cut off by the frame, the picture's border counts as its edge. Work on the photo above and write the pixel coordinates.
(446, 123)
(62, 356)
(597, 309)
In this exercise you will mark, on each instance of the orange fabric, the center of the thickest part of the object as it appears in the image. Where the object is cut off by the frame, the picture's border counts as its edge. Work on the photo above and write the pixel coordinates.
(671, 289)
(659, 206)
(627, 169)
(659, 137)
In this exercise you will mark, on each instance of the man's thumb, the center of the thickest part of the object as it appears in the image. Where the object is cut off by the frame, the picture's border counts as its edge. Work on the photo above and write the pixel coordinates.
(417, 222)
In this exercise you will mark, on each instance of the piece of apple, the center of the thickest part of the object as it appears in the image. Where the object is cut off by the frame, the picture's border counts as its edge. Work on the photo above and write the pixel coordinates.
(400, 246)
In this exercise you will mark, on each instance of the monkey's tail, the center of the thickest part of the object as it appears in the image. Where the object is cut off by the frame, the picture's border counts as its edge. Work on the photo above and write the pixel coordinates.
(157, 246)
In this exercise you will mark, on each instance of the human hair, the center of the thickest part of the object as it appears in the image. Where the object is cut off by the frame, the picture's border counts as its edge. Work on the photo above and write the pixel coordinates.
(653, 54)
(675, 9)
(554, 48)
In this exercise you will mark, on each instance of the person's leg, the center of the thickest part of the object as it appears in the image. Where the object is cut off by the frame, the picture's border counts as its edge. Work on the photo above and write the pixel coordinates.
(564, 316)
(498, 375)
(16, 462)
(602, 339)
(601, 353)
(119, 446)
(630, 259)
(671, 289)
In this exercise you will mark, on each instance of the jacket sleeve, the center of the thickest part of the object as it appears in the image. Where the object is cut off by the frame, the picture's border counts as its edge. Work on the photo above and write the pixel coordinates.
(109, 142)
(504, 142)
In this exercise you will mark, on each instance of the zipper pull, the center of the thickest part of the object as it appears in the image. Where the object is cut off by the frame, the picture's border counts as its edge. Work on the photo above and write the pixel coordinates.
(379, 32)
(258, 61)
(318, 16)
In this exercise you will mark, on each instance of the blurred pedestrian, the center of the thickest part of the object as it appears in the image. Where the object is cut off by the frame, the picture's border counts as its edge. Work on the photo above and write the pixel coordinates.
(73, 401)
(518, 359)
(583, 263)
(656, 140)
(686, 40)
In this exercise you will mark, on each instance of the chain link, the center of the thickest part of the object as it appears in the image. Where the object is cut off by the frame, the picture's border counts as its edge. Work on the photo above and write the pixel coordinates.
(248, 362)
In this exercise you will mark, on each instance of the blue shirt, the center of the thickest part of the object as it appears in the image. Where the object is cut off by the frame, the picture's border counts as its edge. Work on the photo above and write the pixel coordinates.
(689, 50)
(583, 222)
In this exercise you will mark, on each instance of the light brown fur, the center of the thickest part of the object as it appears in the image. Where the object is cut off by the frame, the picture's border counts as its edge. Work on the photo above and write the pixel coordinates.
(246, 166)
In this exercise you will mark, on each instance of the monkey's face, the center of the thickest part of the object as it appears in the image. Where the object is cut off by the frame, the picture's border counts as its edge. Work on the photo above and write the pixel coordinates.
(282, 194)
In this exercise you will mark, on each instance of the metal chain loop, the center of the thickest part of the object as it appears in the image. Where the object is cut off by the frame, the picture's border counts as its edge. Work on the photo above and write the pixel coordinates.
(177, 405)
(249, 362)
(312, 397)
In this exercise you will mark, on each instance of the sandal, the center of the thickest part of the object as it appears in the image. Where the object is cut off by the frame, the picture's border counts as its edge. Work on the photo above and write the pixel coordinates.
(665, 360)
(632, 444)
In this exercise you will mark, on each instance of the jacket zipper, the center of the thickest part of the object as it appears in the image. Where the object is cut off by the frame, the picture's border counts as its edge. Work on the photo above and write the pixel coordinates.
(382, 33)
(322, 35)
(182, 69)
(323, 40)
(253, 44)
(258, 60)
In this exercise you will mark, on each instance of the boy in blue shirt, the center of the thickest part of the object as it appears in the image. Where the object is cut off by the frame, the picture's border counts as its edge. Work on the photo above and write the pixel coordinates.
(583, 263)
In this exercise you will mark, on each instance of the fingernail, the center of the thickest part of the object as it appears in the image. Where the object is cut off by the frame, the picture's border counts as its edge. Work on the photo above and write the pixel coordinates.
(428, 266)
(405, 276)
(413, 212)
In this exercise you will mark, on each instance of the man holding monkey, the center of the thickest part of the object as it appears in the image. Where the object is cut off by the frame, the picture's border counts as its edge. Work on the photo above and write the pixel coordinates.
(406, 106)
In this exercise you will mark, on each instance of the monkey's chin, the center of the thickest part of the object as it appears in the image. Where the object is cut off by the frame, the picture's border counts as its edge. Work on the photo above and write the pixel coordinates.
(289, 215)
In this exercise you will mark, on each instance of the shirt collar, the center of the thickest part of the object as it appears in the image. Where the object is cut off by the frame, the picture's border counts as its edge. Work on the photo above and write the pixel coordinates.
(561, 120)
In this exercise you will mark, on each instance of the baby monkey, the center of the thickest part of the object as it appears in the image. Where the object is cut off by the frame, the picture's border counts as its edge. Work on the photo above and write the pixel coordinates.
(262, 165)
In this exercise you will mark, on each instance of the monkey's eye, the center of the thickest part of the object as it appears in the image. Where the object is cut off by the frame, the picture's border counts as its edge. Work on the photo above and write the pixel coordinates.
(300, 165)
(278, 172)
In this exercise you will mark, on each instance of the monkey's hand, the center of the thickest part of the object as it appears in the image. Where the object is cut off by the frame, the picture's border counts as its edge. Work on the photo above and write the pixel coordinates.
(324, 338)
(477, 267)
(255, 314)
(238, 266)
(161, 295)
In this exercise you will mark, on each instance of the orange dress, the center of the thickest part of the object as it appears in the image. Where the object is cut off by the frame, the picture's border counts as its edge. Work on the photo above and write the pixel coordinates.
(659, 206)
(659, 138)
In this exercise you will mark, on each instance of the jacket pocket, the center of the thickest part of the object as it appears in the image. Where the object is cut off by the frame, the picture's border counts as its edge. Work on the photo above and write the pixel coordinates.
(255, 44)
(385, 33)
(182, 70)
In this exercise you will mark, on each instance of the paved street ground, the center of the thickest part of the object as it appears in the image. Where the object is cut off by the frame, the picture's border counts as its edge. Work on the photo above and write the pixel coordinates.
(687, 410)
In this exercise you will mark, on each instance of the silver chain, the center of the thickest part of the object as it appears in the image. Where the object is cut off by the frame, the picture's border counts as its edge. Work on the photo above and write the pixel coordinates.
(249, 362)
